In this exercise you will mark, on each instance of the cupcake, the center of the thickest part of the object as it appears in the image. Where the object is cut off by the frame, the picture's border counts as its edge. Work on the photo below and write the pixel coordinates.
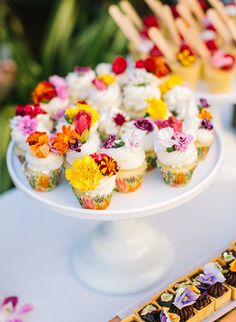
(105, 93)
(176, 153)
(79, 83)
(181, 102)
(137, 87)
(43, 165)
(131, 161)
(93, 179)
(187, 65)
(52, 95)
(219, 72)
(201, 128)
(151, 313)
(147, 131)
(29, 118)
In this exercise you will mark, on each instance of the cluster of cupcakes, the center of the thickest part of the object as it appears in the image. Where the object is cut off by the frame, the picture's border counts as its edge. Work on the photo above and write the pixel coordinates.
(195, 39)
(105, 128)
(194, 297)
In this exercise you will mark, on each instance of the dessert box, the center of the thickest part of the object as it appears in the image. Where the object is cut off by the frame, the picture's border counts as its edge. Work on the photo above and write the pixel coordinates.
(216, 300)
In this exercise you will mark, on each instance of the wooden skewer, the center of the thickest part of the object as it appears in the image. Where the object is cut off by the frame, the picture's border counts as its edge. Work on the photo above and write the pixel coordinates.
(125, 26)
(170, 23)
(219, 25)
(131, 14)
(158, 39)
(232, 29)
(219, 7)
(193, 39)
(195, 7)
(187, 16)
(156, 8)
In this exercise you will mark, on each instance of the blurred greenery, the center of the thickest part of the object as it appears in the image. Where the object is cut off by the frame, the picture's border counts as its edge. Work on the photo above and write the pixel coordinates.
(41, 37)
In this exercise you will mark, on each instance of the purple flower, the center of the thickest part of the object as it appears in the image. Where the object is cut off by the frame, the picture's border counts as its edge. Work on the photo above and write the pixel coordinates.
(186, 298)
(204, 103)
(207, 124)
(211, 275)
(59, 114)
(11, 312)
(76, 146)
(27, 125)
(82, 69)
(108, 143)
(182, 141)
(144, 125)
(164, 316)
(208, 279)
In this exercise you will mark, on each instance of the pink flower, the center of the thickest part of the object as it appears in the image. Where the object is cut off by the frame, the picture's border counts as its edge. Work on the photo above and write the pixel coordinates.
(82, 122)
(11, 312)
(27, 125)
(182, 141)
(60, 85)
(100, 85)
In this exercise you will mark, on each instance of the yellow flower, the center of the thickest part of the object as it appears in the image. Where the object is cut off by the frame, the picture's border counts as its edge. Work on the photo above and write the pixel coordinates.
(170, 83)
(72, 111)
(157, 109)
(232, 266)
(107, 79)
(84, 175)
(205, 114)
(186, 58)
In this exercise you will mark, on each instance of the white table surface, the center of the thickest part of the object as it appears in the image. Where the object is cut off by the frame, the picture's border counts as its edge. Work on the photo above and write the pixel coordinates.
(36, 245)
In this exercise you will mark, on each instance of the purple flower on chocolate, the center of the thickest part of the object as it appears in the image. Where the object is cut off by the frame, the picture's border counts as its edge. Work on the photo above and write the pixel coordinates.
(183, 140)
(211, 275)
(27, 125)
(164, 316)
(144, 125)
(108, 143)
(76, 146)
(207, 124)
(204, 103)
(186, 298)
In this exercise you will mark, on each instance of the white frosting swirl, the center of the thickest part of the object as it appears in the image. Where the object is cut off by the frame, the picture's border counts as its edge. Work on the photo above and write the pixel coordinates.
(105, 187)
(52, 162)
(182, 101)
(54, 105)
(191, 126)
(91, 146)
(79, 84)
(179, 158)
(105, 99)
(44, 123)
(107, 123)
(201, 135)
(127, 158)
(137, 76)
(204, 136)
(103, 69)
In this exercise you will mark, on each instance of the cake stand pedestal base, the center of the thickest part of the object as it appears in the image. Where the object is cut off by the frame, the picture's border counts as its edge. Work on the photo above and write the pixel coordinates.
(123, 257)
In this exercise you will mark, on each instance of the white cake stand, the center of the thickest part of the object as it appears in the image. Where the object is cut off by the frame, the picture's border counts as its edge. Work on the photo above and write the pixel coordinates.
(124, 254)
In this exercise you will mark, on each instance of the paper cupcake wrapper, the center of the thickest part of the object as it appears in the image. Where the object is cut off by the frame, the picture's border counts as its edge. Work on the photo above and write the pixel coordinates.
(43, 182)
(151, 160)
(129, 184)
(97, 202)
(202, 152)
(174, 177)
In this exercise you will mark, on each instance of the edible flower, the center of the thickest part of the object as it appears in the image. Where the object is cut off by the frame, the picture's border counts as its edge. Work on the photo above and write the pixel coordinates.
(206, 124)
(172, 121)
(119, 65)
(205, 114)
(44, 92)
(39, 144)
(32, 110)
(185, 56)
(119, 119)
(107, 79)
(82, 124)
(170, 83)
(144, 125)
(68, 138)
(85, 174)
(232, 266)
(27, 125)
(99, 84)
(186, 298)
(10, 311)
(211, 275)
(107, 165)
(155, 65)
(164, 317)
(222, 60)
(150, 21)
(156, 109)
(182, 141)
(71, 112)
(204, 103)
(60, 85)
(109, 142)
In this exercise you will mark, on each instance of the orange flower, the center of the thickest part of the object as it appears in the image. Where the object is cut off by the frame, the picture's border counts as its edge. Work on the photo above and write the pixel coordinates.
(205, 114)
(162, 69)
(62, 140)
(43, 92)
(39, 144)
(233, 266)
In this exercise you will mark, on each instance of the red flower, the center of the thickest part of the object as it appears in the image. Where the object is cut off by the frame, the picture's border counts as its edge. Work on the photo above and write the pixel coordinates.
(211, 45)
(119, 119)
(174, 11)
(229, 66)
(43, 92)
(82, 122)
(29, 109)
(155, 52)
(150, 21)
(150, 65)
(140, 63)
(119, 65)
(184, 47)
(176, 124)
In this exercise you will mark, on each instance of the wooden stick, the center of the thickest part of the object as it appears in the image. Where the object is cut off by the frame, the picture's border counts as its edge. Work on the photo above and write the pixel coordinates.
(170, 23)
(219, 8)
(125, 26)
(232, 29)
(158, 39)
(187, 16)
(219, 25)
(193, 39)
(131, 14)
(195, 7)
(156, 8)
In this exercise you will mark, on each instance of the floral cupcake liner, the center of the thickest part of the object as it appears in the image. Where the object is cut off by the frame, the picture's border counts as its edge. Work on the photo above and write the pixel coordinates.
(176, 177)
(43, 182)
(129, 184)
(202, 151)
(89, 202)
(151, 160)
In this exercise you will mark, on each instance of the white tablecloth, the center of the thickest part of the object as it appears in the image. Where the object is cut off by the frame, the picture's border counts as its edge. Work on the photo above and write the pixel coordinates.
(36, 246)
